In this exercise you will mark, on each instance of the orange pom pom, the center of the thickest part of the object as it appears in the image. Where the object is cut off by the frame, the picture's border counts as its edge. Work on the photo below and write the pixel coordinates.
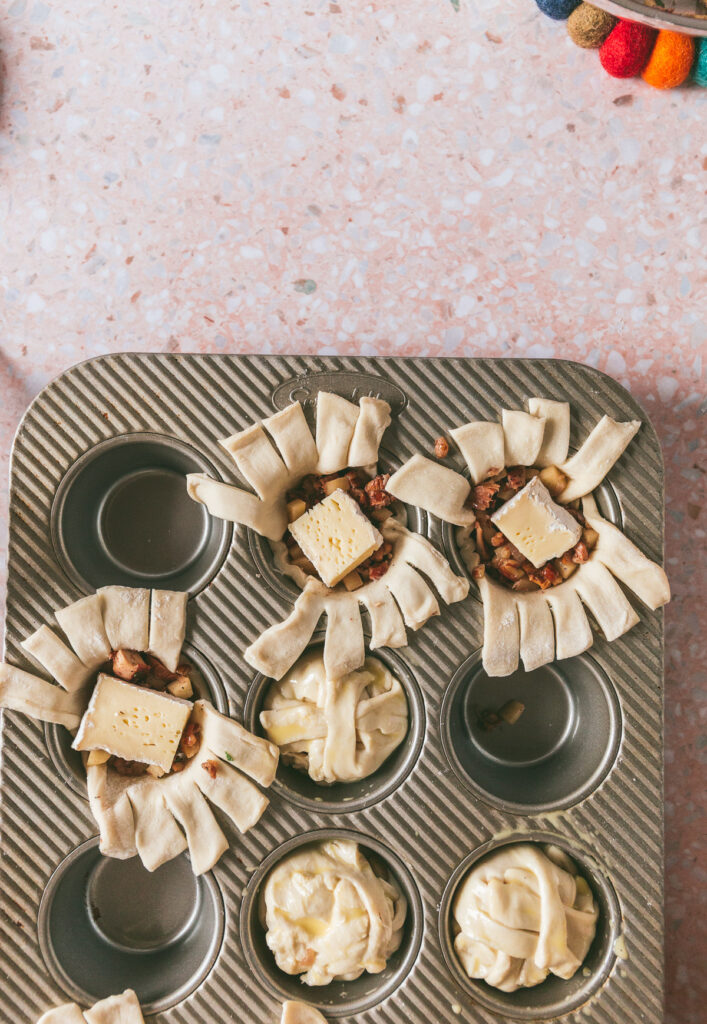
(671, 60)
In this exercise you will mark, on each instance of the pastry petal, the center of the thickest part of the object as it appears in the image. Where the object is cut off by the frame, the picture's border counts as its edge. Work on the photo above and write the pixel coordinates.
(344, 648)
(437, 489)
(556, 436)
(224, 501)
(258, 462)
(300, 1013)
(291, 434)
(188, 805)
(168, 623)
(373, 420)
(69, 1013)
(336, 423)
(280, 646)
(604, 598)
(537, 634)
(82, 623)
(573, 634)
(126, 617)
(482, 445)
(523, 437)
(57, 658)
(604, 446)
(122, 1009)
(157, 836)
(112, 811)
(33, 696)
(229, 741)
(387, 626)
(415, 599)
(501, 649)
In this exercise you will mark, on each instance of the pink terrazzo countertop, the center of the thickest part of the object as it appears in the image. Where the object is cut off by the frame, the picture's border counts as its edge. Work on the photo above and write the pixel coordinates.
(392, 178)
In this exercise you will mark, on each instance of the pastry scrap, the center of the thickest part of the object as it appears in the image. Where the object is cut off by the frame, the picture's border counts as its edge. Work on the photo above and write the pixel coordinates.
(299, 1013)
(336, 731)
(122, 1009)
(155, 756)
(336, 530)
(328, 916)
(537, 547)
(521, 914)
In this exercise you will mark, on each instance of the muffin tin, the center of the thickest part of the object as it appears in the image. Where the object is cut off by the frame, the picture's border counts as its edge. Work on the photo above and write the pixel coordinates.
(582, 768)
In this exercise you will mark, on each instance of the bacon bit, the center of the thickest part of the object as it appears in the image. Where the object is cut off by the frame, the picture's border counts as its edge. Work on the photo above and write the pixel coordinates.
(377, 571)
(189, 743)
(183, 668)
(376, 493)
(580, 553)
(478, 572)
(546, 577)
(211, 767)
(483, 495)
(159, 670)
(516, 477)
(128, 665)
(511, 570)
(498, 539)
(359, 496)
(383, 552)
(441, 448)
(128, 768)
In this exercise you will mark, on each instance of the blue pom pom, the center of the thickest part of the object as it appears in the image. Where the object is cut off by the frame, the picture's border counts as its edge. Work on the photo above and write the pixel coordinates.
(699, 68)
(557, 9)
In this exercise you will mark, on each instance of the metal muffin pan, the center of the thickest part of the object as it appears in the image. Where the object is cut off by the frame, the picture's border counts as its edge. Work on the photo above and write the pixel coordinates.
(451, 796)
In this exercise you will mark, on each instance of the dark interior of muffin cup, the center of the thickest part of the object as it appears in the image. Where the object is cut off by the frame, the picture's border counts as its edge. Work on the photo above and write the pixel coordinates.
(554, 996)
(206, 682)
(122, 515)
(105, 925)
(339, 998)
(559, 750)
(344, 797)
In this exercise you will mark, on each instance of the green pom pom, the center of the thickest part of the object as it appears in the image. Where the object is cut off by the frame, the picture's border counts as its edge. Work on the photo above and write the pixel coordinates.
(588, 27)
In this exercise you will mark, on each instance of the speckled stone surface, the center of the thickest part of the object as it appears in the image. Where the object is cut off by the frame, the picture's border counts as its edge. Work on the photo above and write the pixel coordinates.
(394, 178)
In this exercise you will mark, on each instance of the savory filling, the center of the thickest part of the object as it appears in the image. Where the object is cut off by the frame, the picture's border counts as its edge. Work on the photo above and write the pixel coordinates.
(372, 501)
(499, 557)
(140, 706)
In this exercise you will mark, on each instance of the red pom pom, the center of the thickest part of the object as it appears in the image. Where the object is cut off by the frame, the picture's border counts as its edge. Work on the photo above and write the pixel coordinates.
(625, 51)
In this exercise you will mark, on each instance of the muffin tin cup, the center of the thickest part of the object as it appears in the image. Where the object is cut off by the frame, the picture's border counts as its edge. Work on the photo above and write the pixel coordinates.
(555, 755)
(67, 761)
(555, 996)
(122, 515)
(346, 797)
(338, 998)
(426, 816)
(105, 925)
(267, 568)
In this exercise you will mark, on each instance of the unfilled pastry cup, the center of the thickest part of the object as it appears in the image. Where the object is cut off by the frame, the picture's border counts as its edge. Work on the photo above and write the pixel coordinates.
(266, 564)
(105, 925)
(345, 797)
(206, 682)
(555, 996)
(122, 515)
(339, 998)
(557, 753)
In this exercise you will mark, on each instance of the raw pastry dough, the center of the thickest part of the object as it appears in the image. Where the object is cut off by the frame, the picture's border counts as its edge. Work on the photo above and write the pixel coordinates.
(537, 627)
(122, 1009)
(521, 914)
(435, 488)
(300, 1013)
(329, 916)
(126, 617)
(336, 731)
(280, 451)
(277, 649)
(142, 815)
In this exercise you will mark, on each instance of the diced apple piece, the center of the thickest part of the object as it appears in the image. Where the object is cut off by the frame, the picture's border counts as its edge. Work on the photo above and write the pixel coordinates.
(181, 687)
(295, 509)
(96, 757)
(155, 771)
(566, 566)
(340, 483)
(353, 581)
(379, 515)
(128, 665)
(554, 479)
(590, 537)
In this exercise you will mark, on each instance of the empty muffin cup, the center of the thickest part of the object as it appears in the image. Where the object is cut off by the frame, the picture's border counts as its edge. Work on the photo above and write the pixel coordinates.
(206, 683)
(122, 515)
(555, 996)
(268, 561)
(531, 742)
(344, 797)
(105, 925)
(338, 998)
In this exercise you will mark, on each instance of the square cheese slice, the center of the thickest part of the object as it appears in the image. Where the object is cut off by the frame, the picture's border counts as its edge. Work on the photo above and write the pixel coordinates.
(336, 536)
(539, 527)
(133, 722)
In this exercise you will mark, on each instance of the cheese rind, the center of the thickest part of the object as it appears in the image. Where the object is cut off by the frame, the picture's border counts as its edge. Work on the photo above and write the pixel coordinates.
(336, 536)
(539, 527)
(133, 723)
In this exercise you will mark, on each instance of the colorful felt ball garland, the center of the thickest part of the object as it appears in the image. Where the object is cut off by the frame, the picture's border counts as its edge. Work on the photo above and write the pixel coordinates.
(664, 59)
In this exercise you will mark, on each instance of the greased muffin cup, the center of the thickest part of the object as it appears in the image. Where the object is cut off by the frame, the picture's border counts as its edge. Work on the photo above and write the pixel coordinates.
(581, 767)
